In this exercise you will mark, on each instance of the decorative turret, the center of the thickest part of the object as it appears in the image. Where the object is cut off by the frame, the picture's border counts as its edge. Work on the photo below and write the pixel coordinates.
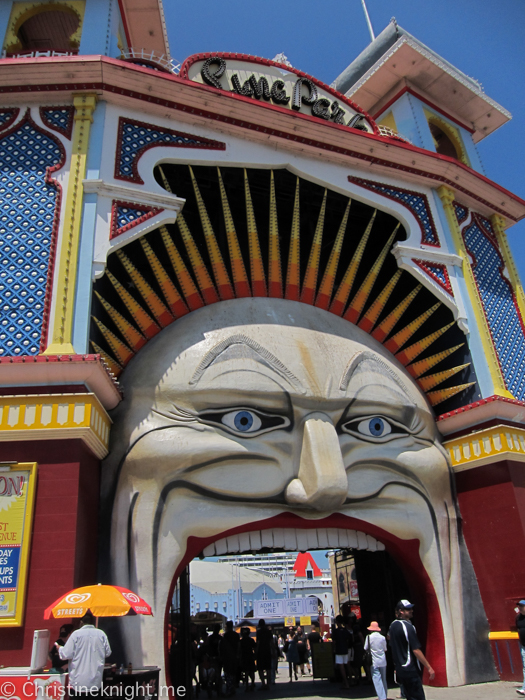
(133, 30)
(408, 88)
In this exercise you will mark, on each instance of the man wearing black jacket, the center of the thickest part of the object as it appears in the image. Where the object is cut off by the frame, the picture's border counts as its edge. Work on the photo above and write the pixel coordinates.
(406, 652)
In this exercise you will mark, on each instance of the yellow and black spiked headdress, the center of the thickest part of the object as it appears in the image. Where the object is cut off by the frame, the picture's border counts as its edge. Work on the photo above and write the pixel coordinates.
(266, 233)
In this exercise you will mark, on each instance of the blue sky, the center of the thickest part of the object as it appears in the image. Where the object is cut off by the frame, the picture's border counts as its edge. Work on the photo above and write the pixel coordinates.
(483, 38)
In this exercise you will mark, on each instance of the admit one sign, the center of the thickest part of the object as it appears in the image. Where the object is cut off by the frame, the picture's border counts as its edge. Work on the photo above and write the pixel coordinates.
(274, 84)
(17, 496)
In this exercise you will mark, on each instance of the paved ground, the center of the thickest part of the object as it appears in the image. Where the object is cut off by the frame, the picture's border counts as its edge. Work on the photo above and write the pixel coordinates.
(305, 687)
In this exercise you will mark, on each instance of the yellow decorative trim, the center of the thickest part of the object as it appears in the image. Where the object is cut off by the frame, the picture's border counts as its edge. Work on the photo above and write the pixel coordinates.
(498, 226)
(55, 416)
(452, 133)
(496, 636)
(486, 447)
(67, 272)
(447, 197)
(22, 11)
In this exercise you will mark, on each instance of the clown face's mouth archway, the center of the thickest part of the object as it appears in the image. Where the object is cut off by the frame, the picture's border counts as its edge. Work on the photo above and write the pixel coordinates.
(244, 576)
(246, 417)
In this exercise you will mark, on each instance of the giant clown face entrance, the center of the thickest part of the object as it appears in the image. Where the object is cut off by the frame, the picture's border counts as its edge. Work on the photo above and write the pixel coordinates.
(265, 423)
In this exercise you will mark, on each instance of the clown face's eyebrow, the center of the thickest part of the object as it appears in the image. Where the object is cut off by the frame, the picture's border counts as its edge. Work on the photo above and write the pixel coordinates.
(262, 355)
(362, 356)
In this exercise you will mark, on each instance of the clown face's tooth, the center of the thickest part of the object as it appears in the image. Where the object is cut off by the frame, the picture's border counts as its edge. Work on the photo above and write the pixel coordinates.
(352, 539)
(255, 540)
(362, 542)
(343, 538)
(278, 539)
(244, 542)
(233, 544)
(374, 545)
(290, 540)
(293, 540)
(302, 540)
(333, 537)
(221, 546)
(267, 538)
(311, 536)
(322, 540)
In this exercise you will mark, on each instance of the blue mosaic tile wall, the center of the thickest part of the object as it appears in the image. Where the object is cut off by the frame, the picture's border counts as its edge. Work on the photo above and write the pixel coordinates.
(5, 116)
(135, 138)
(27, 212)
(58, 118)
(126, 215)
(438, 272)
(461, 212)
(500, 309)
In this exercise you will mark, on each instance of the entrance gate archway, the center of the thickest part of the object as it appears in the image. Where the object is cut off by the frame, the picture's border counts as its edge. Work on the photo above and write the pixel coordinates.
(380, 579)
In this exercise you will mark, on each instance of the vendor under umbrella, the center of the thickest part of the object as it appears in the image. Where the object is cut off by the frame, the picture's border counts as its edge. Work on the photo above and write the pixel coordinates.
(86, 650)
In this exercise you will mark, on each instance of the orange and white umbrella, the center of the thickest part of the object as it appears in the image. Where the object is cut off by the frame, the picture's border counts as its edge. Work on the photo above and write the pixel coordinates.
(102, 601)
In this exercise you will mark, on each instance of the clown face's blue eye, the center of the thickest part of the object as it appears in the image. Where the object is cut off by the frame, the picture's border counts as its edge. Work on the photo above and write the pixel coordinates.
(245, 421)
(374, 428)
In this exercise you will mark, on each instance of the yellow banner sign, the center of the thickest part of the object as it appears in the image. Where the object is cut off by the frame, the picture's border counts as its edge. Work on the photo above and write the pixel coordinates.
(17, 486)
(289, 621)
(305, 620)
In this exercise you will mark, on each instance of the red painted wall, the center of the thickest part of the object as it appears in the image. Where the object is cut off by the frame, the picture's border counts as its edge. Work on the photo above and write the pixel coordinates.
(492, 503)
(64, 539)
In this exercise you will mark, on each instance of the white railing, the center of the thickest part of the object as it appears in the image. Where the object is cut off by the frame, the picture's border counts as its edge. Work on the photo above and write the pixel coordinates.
(387, 131)
(38, 54)
(163, 61)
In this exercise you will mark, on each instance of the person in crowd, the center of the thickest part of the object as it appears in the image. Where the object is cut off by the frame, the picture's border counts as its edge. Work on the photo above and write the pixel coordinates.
(280, 643)
(206, 673)
(247, 649)
(376, 644)
(263, 653)
(313, 638)
(195, 654)
(401, 690)
(520, 626)
(275, 656)
(228, 654)
(342, 640)
(356, 662)
(301, 648)
(212, 644)
(59, 665)
(86, 649)
(406, 652)
(350, 671)
(292, 655)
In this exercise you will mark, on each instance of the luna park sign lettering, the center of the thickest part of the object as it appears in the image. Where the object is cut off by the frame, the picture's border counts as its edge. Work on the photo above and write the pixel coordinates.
(278, 86)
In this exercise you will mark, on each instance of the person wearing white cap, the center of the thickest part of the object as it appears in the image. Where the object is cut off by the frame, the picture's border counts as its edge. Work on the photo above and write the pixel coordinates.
(406, 652)
(376, 643)
(520, 626)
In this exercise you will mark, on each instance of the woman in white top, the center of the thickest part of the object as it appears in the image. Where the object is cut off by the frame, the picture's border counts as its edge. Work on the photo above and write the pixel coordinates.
(377, 645)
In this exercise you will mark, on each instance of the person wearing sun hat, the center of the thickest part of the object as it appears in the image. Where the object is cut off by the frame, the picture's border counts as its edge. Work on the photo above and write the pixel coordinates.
(377, 645)
(520, 626)
(406, 652)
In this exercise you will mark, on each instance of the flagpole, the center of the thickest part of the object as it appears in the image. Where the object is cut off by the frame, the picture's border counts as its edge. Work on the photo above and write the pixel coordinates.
(368, 20)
